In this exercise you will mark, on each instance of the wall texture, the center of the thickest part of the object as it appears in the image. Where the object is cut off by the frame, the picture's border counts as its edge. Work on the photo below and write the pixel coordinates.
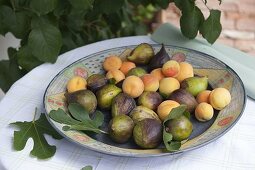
(237, 19)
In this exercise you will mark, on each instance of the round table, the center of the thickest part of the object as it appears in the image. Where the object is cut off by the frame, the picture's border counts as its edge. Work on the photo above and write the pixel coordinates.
(235, 150)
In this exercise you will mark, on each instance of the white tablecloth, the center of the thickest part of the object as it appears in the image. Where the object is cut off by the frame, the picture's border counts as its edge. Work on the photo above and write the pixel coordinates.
(235, 150)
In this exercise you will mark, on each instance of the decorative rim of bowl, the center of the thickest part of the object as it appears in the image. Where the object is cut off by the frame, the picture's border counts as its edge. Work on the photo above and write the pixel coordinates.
(147, 155)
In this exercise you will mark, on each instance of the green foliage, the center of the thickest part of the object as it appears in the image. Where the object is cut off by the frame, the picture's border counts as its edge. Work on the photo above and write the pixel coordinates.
(35, 130)
(81, 119)
(48, 28)
(168, 137)
(89, 167)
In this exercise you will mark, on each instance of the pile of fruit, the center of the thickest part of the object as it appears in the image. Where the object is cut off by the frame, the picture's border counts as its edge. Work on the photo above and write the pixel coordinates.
(141, 89)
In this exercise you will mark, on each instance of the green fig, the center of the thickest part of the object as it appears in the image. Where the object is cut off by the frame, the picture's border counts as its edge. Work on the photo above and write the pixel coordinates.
(138, 71)
(180, 128)
(150, 100)
(106, 94)
(140, 113)
(121, 128)
(159, 59)
(122, 104)
(195, 85)
(142, 54)
(86, 98)
(148, 133)
(183, 97)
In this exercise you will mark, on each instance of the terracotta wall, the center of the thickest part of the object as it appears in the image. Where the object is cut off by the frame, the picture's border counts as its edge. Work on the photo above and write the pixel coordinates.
(237, 19)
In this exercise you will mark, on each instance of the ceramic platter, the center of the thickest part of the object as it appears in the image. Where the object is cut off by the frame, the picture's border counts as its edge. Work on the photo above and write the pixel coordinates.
(219, 74)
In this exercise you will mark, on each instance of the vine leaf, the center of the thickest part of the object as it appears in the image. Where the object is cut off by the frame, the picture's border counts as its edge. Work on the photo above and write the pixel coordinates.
(35, 130)
(211, 28)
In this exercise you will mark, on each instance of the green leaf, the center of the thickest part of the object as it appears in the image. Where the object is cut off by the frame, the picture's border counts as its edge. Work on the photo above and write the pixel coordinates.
(78, 112)
(190, 22)
(60, 116)
(43, 6)
(9, 70)
(82, 4)
(75, 20)
(163, 3)
(187, 114)
(107, 7)
(35, 130)
(83, 122)
(26, 60)
(89, 167)
(211, 27)
(168, 137)
(44, 40)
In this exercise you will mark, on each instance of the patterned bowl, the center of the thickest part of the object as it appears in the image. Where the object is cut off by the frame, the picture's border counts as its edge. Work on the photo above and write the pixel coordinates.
(219, 74)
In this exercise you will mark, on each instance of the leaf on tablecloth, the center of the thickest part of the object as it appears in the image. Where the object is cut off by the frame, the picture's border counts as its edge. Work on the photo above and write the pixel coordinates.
(89, 167)
(35, 130)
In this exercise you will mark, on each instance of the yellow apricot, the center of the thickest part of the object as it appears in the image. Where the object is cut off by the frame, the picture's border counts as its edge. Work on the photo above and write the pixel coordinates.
(203, 96)
(171, 68)
(126, 66)
(150, 82)
(76, 83)
(168, 85)
(112, 62)
(133, 86)
(165, 108)
(204, 112)
(158, 73)
(186, 71)
(219, 98)
(115, 74)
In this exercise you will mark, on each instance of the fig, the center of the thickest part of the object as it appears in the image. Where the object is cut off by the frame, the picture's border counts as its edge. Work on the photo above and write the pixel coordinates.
(150, 100)
(140, 113)
(96, 81)
(106, 94)
(148, 133)
(159, 59)
(180, 128)
(86, 98)
(121, 128)
(122, 104)
(142, 54)
(183, 97)
(195, 85)
(179, 57)
(138, 71)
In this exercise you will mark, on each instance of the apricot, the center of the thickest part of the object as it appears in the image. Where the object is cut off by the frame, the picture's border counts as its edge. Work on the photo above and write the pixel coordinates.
(76, 83)
(165, 108)
(133, 86)
(168, 85)
(171, 68)
(186, 71)
(126, 66)
(150, 82)
(117, 75)
(111, 63)
(204, 112)
(158, 73)
(219, 98)
(203, 96)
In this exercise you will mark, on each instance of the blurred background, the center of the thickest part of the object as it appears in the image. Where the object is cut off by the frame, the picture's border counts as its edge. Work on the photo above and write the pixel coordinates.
(237, 19)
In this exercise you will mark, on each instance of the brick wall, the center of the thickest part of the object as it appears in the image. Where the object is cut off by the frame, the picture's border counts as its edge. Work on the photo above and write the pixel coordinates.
(237, 19)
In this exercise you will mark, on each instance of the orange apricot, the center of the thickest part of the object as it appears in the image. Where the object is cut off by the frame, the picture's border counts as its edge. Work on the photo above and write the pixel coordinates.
(117, 75)
(204, 112)
(168, 85)
(76, 83)
(133, 86)
(150, 82)
(126, 66)
(203, 96)
(111, 63)
(165, 108)
(158, 73)
(186, 71)
(219, 98)
(171, 68)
